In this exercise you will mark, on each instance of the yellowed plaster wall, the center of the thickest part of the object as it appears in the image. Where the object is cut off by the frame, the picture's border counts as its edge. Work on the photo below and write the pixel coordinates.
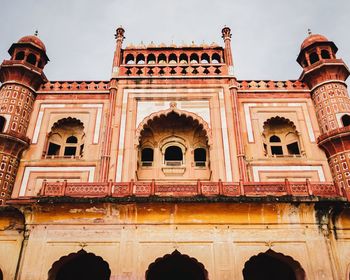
(132, 236)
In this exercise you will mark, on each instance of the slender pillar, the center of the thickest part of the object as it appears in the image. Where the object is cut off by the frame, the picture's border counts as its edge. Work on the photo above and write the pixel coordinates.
(226, 35)
(113, 87)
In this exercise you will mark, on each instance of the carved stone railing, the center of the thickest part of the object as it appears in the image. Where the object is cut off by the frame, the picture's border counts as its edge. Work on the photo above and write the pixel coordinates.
(178, 189)
(74, 86)
(271, 85)
(169, 70)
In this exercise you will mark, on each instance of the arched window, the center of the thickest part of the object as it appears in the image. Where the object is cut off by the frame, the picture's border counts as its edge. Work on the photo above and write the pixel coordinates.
(194, 58)
(129, 59)
(19, 56)
(215, 58)
(205, 58)
(183, 58)
(147, 156)
(151, 59)
(325, 54)
(280, 137)
(66, 139)
(173, 156)
(200, 157)
(345, 119)
(140, 59)
(276, 149)
(313, 58)
(172, 58)
(161, 58)
(2, 123)
(31, 59)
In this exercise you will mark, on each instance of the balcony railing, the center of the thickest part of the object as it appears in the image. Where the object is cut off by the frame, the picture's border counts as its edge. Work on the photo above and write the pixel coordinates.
(178, 189)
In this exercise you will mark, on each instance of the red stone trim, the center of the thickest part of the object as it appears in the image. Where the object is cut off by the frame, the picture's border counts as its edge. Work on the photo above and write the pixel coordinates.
(178, 189)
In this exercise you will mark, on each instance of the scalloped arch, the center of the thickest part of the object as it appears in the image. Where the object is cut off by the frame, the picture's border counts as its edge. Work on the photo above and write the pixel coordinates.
(64, 120)
(57, 265)
(282, 119)
(294, 264)
(177, 254)
(147, 120)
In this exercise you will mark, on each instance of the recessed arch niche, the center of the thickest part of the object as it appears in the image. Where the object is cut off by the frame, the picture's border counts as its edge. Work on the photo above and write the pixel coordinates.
(80, 265)
(176, 266)
(273, 266)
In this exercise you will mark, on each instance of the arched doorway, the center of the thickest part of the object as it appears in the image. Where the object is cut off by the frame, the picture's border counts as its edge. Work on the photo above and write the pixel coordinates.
(80, 265)
(1, 275)
(176, 266)
(272, 266)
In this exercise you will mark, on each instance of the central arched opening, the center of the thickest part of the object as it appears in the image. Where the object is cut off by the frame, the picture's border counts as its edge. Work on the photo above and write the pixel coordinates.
(80, 265)
(272, 266)
(173, 143)
(176, 266)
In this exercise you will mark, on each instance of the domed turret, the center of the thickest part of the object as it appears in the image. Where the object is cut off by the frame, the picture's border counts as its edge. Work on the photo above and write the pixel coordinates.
(315, 48)
(311, 39)
(325, 75)
(34, 40)
(21, 77)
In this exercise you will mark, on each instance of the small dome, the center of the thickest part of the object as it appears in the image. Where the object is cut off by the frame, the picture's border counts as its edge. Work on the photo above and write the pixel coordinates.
(313, 38)
(34, 40)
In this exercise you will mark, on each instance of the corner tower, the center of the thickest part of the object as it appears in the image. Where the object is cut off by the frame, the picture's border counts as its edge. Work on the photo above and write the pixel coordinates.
(325, 74)
(21, 76)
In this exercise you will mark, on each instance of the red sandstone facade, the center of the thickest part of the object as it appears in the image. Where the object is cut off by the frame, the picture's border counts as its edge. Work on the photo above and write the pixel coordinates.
(175, 132)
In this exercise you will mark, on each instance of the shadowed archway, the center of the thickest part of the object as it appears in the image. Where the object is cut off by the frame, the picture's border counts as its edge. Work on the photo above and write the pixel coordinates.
(80, 265)
(272, 266)
(1, 277)
(176, 266)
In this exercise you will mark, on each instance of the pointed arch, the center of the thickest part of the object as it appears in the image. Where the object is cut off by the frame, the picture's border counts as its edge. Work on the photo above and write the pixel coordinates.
(89, 263)
(288, 268)
(176, 266)
(201, 122)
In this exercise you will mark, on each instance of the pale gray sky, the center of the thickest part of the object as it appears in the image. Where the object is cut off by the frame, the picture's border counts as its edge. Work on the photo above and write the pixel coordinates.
(266, 34)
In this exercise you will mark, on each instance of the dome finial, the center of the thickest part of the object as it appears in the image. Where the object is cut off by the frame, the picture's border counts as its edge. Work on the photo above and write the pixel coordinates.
(36, 32)
(309, 31)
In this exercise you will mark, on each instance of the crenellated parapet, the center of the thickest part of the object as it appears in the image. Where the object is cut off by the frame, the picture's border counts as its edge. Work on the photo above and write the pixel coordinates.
(256, 85)
(74, 86)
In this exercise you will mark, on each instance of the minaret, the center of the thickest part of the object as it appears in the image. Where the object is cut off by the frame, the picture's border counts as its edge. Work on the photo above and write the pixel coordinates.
(21, 76)
(233, 87)
(325, 75)
(119, 36)
(226, 36)
(113, 87)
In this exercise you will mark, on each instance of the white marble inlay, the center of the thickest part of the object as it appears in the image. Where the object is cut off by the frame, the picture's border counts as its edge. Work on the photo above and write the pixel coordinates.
(97, 128)
(39, 120)
(29, 169)
(157, 93)
(227, 157)
(145, 108)
(248, 121)
(318, 169)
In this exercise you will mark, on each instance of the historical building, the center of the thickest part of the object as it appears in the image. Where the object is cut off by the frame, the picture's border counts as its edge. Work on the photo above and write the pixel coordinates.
(174, 168)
